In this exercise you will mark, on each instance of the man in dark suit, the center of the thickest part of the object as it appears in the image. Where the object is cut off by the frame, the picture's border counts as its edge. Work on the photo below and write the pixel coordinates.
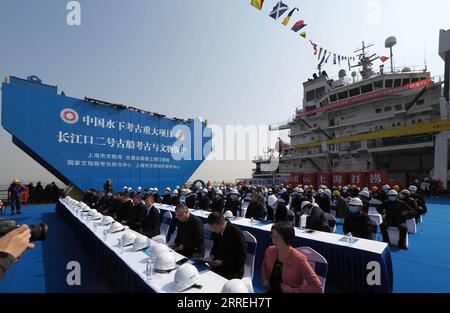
(228, 253)
(137, 214)
(189, 240)
(152, 224)
(317, 219)
(125, 208)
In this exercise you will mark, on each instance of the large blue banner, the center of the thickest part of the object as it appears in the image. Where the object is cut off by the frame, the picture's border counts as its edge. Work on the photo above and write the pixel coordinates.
(86, 142)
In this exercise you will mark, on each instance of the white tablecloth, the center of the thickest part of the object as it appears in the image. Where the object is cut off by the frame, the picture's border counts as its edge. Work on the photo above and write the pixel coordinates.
(137, 262)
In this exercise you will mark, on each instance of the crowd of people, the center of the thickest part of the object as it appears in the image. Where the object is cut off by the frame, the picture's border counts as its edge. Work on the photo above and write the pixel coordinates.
(285, 269)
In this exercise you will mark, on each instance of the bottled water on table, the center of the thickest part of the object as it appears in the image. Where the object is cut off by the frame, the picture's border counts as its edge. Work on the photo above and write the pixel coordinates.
(105, 234)
(94, 226)
(252, 221)
(149, 270)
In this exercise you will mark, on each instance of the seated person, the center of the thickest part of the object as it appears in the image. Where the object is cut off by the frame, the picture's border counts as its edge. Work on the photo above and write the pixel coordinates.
(151, 225)
(138, 213)
(125, 209)
(233, 204)
(285, 269)
(358, 222)
(189, 240)
(256, 208)
(228, 253)
(396, 213)
(167, 198)
(316, 220)
(281, 211)
(218, 203)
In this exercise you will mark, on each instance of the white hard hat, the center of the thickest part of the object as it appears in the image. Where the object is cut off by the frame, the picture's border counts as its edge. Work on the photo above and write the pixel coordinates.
(412, 188)
(125, 188)
(386, 187)
(177, 187)
(234, 191)
(205, 190)
(327, 192)
(186, 276)
(97, 216)
(130, 188)
(128, 238)
(365, 188)
(92, 212)
(158, 249)
(228, 214)
(165, 262)
(365, 193)
(107, 220)
(159, 239)
(219, 192)
(139, 188)
(304, 203)
(356, 201)
(141, 242)
(392, 193)
(116, 227)
(175, 191)
(85, 208)
(272, 200)
(320, 190)
(168, 189)
(156, 189)
(235, 286)
(283, 190)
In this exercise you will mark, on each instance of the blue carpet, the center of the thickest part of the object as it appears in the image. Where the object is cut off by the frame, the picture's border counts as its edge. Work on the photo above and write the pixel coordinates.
(425, 267)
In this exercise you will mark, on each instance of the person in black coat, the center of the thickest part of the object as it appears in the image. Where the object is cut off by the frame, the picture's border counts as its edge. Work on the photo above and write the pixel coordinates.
(151, 225)
(323, 201)
(138, 213)
(256, 208)
(233, 204)
(189, 240)
(228, 253)
(396, 213)
(175, 200)
(191, 199)
(167, 198)
(358, 222)
(317, 219)
(126, 207)
(203, 202)
(218, 203)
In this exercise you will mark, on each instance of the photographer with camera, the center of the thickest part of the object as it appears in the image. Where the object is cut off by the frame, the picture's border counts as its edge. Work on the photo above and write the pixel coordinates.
(12, 246)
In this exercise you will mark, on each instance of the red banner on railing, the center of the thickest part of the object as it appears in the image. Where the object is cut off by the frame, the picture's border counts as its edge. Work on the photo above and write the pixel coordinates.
(358, 179)
(367, 97)
(339, 179)
(323, 179)
(309, 179)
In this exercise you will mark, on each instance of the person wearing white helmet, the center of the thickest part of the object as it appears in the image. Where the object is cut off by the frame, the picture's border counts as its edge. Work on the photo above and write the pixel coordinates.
(232, 202)
(316, 220)
(228, 253)
(218, 203)
(190, 234)
(191, 199)
(285, 269)
(323, 200)
(271, 207)
(203, 201)
(364, 195)
(420, 199)
(151, 224)
(383, 193)
(396, 212)
(257, 207)
(167, 198)
(175, 199)
(357, 222)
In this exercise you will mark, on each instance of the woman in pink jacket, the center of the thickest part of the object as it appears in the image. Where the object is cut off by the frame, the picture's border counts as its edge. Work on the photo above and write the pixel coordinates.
(285, 269)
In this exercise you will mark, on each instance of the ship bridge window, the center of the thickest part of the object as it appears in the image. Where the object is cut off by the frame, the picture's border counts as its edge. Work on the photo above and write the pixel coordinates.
(333, 98)
(389, 83)
(378, 111)
(406, 81)
(343, 95)
(415, 80)
(398, 82)
(420, 102)
(367, 88)
(310, 95)
(331, 123)
(423, 78)
(355, 92)
(320, 92)
(378, 84)
(387, 109)
(399, 107)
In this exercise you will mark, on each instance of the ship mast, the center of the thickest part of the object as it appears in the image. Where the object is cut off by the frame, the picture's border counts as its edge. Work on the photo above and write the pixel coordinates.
(365, 62)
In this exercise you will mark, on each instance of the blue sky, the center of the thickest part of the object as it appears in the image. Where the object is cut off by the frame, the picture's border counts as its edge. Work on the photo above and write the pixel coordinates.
(222, 60)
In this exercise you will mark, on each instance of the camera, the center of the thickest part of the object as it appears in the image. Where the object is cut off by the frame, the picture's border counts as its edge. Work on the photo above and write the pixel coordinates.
(38, 231)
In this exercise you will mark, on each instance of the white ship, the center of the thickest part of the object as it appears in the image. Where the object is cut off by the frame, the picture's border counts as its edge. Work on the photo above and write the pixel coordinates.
(393, 120)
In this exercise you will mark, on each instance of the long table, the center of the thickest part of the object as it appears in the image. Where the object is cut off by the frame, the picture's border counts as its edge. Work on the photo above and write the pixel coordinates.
(126, 272)
(349, 265)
